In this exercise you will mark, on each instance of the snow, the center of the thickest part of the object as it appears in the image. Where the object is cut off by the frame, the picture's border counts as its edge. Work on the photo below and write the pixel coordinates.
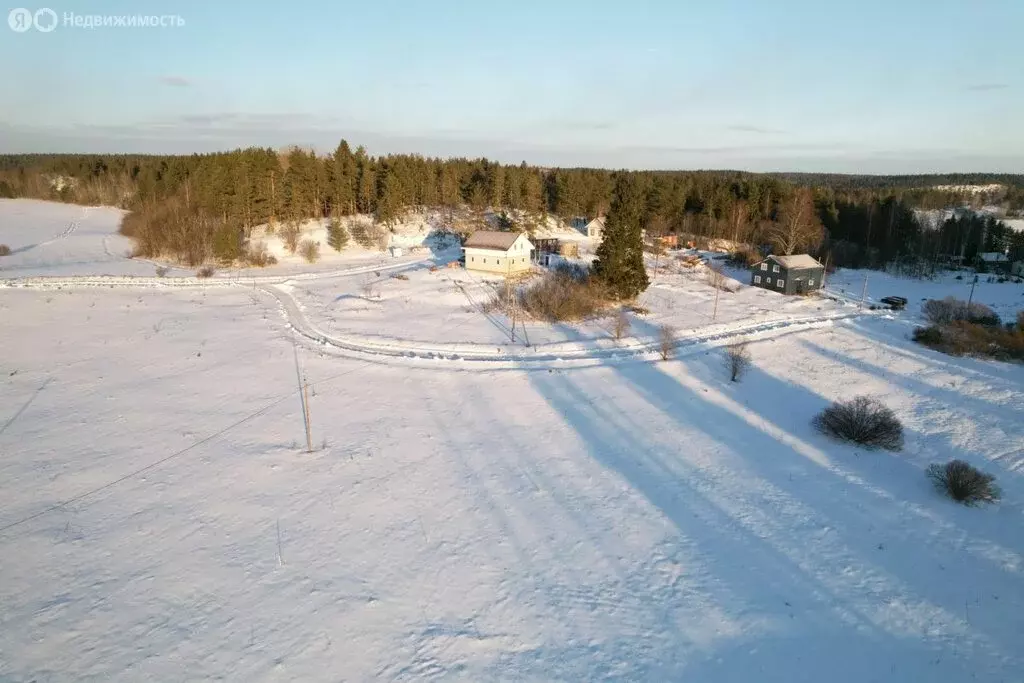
(596, 517)
(47, 238)
(1005, 298)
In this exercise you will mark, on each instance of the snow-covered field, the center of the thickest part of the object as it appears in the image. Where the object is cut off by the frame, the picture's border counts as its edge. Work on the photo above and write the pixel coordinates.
(620, 518)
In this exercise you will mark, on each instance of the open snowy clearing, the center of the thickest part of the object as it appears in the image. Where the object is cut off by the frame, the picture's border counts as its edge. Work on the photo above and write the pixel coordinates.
(572, 510)
(641, 521)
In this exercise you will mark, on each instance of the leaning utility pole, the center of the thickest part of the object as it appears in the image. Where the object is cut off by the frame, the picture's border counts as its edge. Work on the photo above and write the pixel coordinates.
(971, 297)
(864, 292)
(303, 396)
(714, 314)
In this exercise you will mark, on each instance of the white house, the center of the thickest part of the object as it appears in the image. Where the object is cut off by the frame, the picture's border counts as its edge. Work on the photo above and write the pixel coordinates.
(491, 251)
(595, 229)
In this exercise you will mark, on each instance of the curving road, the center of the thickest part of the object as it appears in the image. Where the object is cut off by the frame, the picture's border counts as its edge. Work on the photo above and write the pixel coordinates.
(481, 356)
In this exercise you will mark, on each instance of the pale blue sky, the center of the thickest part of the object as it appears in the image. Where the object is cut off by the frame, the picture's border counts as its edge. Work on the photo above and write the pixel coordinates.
(872, 86)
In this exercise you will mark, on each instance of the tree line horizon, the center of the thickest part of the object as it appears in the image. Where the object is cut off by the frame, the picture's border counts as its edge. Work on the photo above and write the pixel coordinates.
(198, 207)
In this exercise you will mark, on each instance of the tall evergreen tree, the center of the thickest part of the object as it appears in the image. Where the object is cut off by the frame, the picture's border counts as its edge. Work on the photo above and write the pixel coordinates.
(389, 199)
(344, 180)
(620, 256)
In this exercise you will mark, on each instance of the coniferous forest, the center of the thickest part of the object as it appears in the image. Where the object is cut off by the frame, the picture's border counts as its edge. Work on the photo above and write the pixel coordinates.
(200, 207)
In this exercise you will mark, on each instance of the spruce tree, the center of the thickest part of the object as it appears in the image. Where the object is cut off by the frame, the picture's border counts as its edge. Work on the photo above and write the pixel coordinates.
(337, 235)
(620, 256)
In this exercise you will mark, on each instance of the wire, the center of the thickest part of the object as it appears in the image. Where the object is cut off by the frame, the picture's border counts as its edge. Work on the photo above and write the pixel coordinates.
(161, 461)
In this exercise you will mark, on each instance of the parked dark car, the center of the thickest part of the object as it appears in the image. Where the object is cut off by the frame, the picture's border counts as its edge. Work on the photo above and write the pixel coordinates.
(896, 303)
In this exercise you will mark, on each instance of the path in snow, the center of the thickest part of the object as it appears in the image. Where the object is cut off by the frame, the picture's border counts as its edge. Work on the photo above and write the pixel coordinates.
(543, 355)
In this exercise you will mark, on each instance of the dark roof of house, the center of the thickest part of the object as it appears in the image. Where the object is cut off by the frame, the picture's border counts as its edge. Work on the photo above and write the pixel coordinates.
(492, 239)
(994, 257)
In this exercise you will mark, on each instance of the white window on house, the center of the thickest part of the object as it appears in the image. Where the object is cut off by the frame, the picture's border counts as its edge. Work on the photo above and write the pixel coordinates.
(768, 280)
(485, 260)
(472, 258)
(757, 279)
(775, 269)
(780, 283)
(764, 266)
(499, 261)
(810, 282)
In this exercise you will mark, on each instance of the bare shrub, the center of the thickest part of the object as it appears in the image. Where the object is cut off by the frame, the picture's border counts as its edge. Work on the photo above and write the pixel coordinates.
(744, 257)
(863, 420)
(369, 235)
(719, 280)
(666, 341)
(622, 325)
(929, 336)
(1020, 321)
(964, 483)
(205, 271)
(369, 288)
(715, 277)
(560, 296)
(950, 310)
(290, 233)
(399, 276)
(5, 250)
(737, 360)
(966, 339)
(162, 271)
(259, 256)
(310, 251)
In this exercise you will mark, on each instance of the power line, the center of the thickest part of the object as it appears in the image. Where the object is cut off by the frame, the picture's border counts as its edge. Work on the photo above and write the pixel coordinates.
(161, 461)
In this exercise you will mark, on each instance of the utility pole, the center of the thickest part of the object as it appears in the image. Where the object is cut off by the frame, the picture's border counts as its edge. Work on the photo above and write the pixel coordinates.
(303, 396)
(864, 292)
(971, 297)
(714, 314)
(824, 274)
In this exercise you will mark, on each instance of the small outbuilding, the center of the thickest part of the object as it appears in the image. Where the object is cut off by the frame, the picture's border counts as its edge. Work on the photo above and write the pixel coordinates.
(796, 274)
(503, 253)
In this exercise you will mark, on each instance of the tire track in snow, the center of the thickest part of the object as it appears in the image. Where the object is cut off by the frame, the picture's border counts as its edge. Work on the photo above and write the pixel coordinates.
(537, 356)
(485, 356)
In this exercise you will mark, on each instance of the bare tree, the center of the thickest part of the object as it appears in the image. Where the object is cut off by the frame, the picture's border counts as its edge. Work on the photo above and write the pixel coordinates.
(717, 278)
(739, 222)
(290, 234)
(737, 360)
(369, 287)
(621, 324)
(798, 226)
(666, 341)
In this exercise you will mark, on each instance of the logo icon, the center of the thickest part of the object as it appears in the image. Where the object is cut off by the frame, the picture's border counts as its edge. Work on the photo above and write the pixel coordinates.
(45, 20)
(20, 19)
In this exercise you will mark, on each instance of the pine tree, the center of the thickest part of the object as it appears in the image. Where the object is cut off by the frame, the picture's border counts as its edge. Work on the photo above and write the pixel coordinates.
(389, 201)
(337, 235)
(344, 179)
(620, 257)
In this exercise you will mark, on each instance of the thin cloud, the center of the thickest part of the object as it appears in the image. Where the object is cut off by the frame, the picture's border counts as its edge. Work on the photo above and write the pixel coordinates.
(175, 81)
(745, 128)
(985, 87)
